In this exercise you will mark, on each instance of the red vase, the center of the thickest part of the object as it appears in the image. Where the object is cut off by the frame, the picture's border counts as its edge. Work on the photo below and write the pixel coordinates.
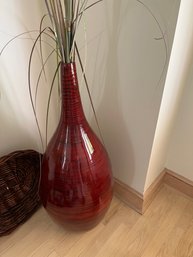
(76, 180)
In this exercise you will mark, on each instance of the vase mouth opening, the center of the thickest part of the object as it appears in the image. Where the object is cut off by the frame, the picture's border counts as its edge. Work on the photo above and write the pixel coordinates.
(67, 64)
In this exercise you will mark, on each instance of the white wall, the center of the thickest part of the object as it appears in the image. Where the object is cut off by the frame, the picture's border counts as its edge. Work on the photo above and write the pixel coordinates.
(124, 63)
(179, 158)
(179, 68)
(135, 63)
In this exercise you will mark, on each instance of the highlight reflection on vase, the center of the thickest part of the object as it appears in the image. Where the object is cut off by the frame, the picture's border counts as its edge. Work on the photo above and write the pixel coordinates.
(76, 181)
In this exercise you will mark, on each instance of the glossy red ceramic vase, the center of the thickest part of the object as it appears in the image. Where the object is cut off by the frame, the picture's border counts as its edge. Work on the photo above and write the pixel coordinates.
(76, 180)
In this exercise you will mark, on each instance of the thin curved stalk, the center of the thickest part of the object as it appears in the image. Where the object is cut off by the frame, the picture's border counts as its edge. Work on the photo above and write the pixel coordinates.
(29, 86)
(43, 41)
(76, 23)
(84, 3)
(77, 11)
(89, 93)
(77, 20)
(49, 99)
(40, 74)
(73, 8)
(88, 7)
(21, 34)
(49, 13)
(58, 79)
(41, 53)
(11, 40)
(91, 5)
(43, 65)
(162, 37)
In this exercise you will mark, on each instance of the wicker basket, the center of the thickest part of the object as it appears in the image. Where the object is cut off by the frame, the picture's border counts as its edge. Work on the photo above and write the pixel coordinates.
(19, 179)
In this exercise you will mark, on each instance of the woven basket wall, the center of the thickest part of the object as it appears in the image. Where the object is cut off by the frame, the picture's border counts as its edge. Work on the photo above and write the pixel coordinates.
(19, 179)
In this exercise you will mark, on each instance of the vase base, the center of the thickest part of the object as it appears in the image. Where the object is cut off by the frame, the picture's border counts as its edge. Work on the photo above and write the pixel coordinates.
(78, 224)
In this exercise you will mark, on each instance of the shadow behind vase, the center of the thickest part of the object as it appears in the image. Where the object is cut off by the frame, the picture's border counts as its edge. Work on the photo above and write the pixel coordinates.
(76, 180)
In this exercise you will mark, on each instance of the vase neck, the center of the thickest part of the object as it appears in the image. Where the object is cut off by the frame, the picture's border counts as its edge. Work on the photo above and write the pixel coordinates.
(72, 111)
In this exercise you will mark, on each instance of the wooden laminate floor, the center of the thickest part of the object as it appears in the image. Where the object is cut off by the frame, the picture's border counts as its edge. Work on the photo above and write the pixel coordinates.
(165, 230)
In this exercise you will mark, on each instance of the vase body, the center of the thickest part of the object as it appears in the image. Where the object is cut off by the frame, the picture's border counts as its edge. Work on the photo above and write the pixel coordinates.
(76, 180)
